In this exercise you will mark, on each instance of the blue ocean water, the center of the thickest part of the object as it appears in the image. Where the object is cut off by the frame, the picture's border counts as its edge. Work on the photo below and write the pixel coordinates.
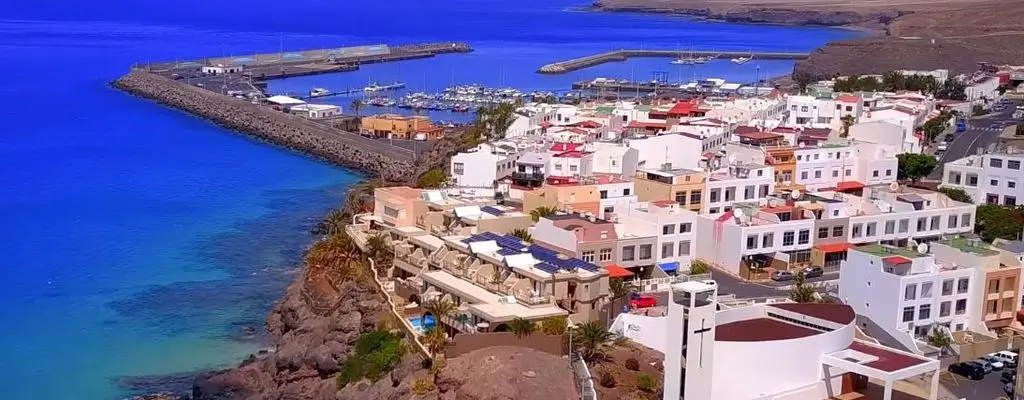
(137, 240)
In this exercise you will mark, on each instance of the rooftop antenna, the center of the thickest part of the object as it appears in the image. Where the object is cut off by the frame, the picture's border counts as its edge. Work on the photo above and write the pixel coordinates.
(894, 186)
(795, 194)
(922, 248)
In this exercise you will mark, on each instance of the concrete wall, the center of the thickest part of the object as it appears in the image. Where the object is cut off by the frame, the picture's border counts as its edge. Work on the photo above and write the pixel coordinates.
(466, 343)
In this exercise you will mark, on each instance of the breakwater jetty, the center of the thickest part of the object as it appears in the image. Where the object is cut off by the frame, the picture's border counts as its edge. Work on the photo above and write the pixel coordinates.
(331, 145)
(562, 67)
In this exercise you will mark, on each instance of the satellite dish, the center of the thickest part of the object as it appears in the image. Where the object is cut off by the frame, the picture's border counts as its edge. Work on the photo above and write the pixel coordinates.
(922, 248)
(738, 212)
(795, 194)
(894, 186)
(732, 159)
(802, 145)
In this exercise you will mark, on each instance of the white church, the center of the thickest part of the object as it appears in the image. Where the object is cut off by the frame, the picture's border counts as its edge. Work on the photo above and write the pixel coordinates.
(778, 351)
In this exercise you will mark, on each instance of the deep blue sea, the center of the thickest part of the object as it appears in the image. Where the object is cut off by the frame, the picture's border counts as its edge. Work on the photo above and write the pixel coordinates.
(136, 240)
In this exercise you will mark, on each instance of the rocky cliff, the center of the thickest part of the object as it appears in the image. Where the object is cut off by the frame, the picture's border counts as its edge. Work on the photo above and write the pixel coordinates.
(262, 123)
(750, 14)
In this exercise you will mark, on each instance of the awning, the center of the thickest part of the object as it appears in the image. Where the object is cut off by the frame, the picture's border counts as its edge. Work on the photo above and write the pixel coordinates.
(671, 266)
(849, 185)
(615, 271)
(897, 260)
(833, 248)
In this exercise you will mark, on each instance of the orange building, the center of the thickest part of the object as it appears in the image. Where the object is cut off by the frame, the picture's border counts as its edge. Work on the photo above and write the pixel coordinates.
(395, 126)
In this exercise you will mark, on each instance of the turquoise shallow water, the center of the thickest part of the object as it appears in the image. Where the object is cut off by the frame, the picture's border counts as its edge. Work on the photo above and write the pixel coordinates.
(137, 240)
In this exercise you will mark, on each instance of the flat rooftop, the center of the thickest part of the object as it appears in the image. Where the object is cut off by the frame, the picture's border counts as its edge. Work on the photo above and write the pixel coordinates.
(760, 330)
(888, 360)
(887, 251)
(967, 246)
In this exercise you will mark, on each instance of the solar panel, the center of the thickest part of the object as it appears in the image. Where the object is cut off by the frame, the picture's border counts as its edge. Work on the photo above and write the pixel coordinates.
(508, 252)
(492, 210)
(546, 267)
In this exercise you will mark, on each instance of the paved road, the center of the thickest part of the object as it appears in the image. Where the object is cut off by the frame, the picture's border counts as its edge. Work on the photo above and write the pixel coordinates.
(987, 388)
(981, 132)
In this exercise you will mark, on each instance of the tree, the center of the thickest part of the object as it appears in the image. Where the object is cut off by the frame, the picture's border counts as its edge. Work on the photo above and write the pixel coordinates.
(432, 179)
(802, 80)
(356, 106)
(440, 308)
(915, 166)
(994, 221)
(541, 212)
(378, 247)
(951, 89)
(940, 338)
(698, 266)
(802, 292)
(620, 288)
(376, 353)
(435, 340)
(521, 327)
(333, 223)
(495, 119)
(848, 121)
(554, 325)
(957, 194)
(592, 340)
(523, 235)
(646, 383)
(893, 81)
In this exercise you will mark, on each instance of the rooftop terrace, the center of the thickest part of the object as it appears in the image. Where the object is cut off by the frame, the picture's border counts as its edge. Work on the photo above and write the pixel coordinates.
(888, 251)
(968, 245)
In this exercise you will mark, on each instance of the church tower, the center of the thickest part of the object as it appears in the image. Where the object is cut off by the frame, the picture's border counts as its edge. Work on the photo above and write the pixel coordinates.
(690, 341)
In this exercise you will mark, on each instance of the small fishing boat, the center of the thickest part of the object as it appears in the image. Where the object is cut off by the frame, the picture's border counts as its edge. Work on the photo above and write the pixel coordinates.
(319, 92)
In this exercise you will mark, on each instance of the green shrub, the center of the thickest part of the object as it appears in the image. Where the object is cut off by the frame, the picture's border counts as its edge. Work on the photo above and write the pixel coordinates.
(632, 364)
(606, 379)
(646, 383)
(423, 386)
(376, 354)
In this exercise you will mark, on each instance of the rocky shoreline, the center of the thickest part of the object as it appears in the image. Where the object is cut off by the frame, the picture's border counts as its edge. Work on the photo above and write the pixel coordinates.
(327, 144)
(765, 15)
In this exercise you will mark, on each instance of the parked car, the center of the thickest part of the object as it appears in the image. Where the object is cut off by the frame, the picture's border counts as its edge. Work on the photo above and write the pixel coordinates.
(969, 370)
(710, 282)
(949, 137)
(643, 301)
(812, 272)
(780, 276)
(1007, 357)
(986, 367)
(1008, 389)
(1009, 376)
(993, 362)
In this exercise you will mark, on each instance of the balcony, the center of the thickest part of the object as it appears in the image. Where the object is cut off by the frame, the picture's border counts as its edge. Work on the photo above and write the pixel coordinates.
(527, 297)
(528, 176)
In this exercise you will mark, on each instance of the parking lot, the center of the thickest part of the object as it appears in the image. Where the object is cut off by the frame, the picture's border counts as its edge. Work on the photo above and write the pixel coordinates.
(990, 387)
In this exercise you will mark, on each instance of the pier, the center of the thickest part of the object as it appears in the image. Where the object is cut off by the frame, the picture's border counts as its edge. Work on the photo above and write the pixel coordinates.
(623, 55)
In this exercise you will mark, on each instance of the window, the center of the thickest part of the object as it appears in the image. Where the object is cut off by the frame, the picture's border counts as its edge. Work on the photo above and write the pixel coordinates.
(822, 233)
(572, 168)
(730, 194)
(837, 231)
(604, 255)
(874, 174)
(695, 197)
(849, 172)
(787, 238)
(681, 197)
(961, 307)
(804, 237)
(803, 175)
(871, 229)
(888, 172)
(972, 180)
(668, 229)
(685, 227)
(764, 191)
(459, 169)
(1009, 201)
(995, 163)
(588, 256)
(890, 227)
(993, 182)
(604, 194)
(962, 285)
(748, 192)
(993, 286)
(391, 212)
(947, 287)
(558, 167)
(1012, 164)
(924, 312)
(713, 195)
(1011, 184)
(908, 314)
(926, 290)
(991, 306)
(645, 251)
(751, 242)
(910, 292)
(944, 308)
(934, 223)
(965, 220)
(667, 249)
(803, 108)
(629, 253)
(1009, 283)
(856, 230)
(817, 174)
(625, 192)
(921, 224)
(835, 173)
(951, 224)
(767, 240)
(684, 248)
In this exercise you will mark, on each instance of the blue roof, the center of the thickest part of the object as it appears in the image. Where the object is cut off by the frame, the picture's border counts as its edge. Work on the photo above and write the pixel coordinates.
(511, 245)
(492, 210)
(508, 252)
(670, 266)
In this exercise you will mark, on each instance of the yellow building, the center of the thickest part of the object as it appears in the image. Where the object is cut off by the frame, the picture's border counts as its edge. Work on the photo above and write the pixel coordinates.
(574, 197)
(783, 161)
(401, 127)
(683, 186)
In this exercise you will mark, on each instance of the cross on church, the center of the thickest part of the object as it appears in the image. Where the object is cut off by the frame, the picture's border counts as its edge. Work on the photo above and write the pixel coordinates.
(703, 329)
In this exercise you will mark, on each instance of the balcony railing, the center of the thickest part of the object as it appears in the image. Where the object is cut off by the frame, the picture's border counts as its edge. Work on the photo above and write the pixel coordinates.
(528, 176)
(528, 298)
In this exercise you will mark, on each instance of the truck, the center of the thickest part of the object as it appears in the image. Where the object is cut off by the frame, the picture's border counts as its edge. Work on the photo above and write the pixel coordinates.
(961, 125)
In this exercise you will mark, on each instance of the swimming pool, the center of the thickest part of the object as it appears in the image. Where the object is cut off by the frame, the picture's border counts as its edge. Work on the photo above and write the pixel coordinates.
(422, 324)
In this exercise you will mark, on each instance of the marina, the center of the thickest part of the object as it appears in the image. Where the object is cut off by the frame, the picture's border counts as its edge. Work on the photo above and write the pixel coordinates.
(693, 57)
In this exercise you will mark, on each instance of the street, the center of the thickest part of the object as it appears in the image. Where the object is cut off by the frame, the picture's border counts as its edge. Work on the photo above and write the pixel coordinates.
(981, 132)
(732, 285)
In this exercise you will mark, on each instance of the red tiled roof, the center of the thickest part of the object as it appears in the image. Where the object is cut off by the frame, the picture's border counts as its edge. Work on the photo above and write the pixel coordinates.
(746, 129)
(663, 203)
(838, 313)
(590, 124)
(823, 132)
(784, 129)
(778, 209)
(681, 108)
(645, 125)
(897, 260)
(579, 131)
(565, 146)
(760, 330)
(888, 360)
(849, 98)
(834, 247)
(849, 185)
(759, 135)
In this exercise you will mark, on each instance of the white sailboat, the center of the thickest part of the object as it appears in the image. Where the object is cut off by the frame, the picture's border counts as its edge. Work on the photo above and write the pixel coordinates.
(743, 60)
(319, 92)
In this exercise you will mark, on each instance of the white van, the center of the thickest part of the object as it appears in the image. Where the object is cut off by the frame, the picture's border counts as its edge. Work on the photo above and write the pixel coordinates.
(1007, 357)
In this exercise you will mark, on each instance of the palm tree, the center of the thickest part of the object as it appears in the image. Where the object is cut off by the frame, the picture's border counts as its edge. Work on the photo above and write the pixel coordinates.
(357, 106)
(463, 319)
(541, 212)
(802, 292)
(620, 288)
(440, 308)
(333, 223)
(522, 234)
(378, 247)
(893, 81)
(847, 123)
(592, 340)
(435, 339)
(521, 327)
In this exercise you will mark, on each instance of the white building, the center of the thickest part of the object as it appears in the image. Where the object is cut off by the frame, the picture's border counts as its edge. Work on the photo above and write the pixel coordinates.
(760, 234)
(480, 167)
(221, 69)
(811, 111)
(615, 159)
(680, 151)
(886, 133)
(284, 101)
(616, 194)
(738, 183)
(778, 351)
(674, 226)
(315, 111)
(897, 217)
(994, 178)
(832, 162)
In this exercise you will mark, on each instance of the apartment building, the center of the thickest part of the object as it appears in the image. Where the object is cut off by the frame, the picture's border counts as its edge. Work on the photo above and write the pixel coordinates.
(997, 275)
(993, 178)
(684, 186)
(681, 151)
(482, 166)
(530, 169)
(570, 164)
(753, 236)
(395, 206)
(494, 279)
(614, 159)
(436, 212)
(811, 111)
(673, 226)
(400, 127)
(599, 195)
(595, 240)
(829, 163)
(903, 216)
(741, 182)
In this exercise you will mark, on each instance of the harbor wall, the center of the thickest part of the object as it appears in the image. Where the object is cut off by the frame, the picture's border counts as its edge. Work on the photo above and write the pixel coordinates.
(562, 67)
(328, 144)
